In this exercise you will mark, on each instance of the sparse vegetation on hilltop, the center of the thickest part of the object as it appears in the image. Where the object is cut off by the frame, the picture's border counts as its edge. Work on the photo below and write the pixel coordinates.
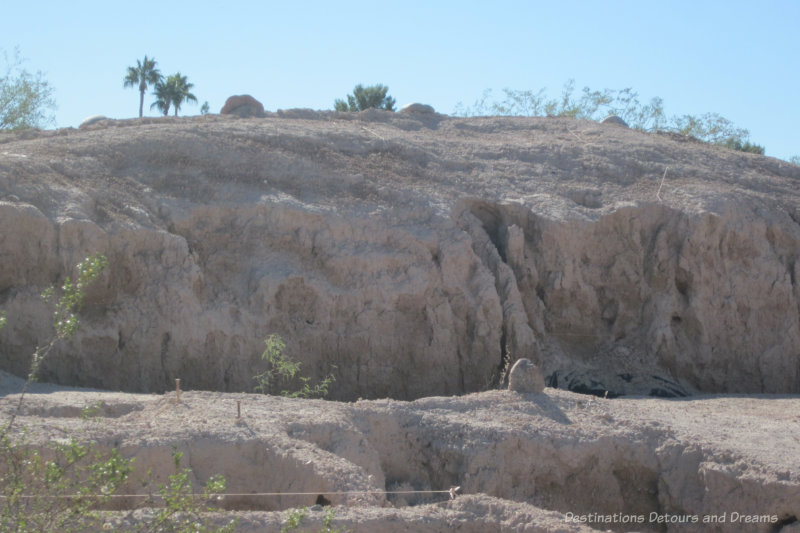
(624, 103)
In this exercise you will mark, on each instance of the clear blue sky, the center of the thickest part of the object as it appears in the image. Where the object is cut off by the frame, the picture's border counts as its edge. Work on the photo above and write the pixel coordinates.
(739, 59)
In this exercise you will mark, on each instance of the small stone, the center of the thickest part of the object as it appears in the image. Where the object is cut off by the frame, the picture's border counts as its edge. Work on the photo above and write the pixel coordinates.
(525, 377)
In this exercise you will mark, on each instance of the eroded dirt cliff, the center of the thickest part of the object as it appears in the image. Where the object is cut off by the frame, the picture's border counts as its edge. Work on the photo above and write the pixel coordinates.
(413, 255)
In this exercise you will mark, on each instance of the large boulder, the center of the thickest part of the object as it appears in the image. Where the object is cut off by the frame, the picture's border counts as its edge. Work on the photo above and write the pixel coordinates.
(243, 106)
(94, 119)
(417, 108)
(614, 119)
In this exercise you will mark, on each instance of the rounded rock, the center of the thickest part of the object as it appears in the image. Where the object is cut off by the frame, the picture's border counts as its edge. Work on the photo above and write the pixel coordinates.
(243, 106)
(417, 108)
(525, 377)
(88, 121)
(614, 119)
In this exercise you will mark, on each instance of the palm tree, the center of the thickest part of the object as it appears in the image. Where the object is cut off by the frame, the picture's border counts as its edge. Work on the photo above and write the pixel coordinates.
(164, 93)
(143, 74)
(181, 90)
(172, 92)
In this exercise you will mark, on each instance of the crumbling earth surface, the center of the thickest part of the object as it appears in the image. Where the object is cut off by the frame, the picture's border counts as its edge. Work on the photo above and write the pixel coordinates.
(409, 254)
(415, 258)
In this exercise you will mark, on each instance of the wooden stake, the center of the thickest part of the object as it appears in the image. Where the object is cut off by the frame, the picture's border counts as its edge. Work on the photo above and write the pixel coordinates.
(238, 409)
(178, 390)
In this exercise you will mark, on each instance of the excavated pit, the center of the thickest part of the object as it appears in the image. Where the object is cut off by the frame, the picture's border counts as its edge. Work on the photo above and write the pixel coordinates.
(557, 452)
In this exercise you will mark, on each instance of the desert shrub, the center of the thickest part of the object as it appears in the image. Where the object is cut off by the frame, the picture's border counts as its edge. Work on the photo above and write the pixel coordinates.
(295, 519)
(737, 144)
(284, 371)
(181, 509)
(365, 98)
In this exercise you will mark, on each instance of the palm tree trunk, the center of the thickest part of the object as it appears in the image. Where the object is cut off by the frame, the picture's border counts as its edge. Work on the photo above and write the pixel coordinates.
(141, 102)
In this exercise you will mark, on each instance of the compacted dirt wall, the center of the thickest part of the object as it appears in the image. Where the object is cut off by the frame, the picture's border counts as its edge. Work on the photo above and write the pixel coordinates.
(406, 255)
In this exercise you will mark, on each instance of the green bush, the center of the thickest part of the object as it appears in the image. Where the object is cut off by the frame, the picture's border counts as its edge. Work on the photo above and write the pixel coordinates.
(182, 509)
(296, 517)
(366, 98)
(283, 371)
(737, 144)
(59, 488)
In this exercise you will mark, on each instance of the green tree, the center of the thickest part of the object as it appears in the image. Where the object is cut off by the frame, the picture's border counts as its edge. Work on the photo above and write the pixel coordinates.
(172, 92)
(26, 100)
(163, 92)
(181, 91)
(365, 98)
(143, 74)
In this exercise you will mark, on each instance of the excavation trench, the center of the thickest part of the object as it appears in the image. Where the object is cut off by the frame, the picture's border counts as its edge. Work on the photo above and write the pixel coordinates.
(557, 451)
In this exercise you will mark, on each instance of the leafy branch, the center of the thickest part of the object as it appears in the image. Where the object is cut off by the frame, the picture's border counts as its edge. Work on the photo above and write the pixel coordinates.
(59, 490)
(181, 510)
(283, 371)
(65, 318)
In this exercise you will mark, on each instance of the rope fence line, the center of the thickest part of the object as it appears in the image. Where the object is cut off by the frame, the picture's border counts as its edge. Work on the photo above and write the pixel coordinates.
(452, 491)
